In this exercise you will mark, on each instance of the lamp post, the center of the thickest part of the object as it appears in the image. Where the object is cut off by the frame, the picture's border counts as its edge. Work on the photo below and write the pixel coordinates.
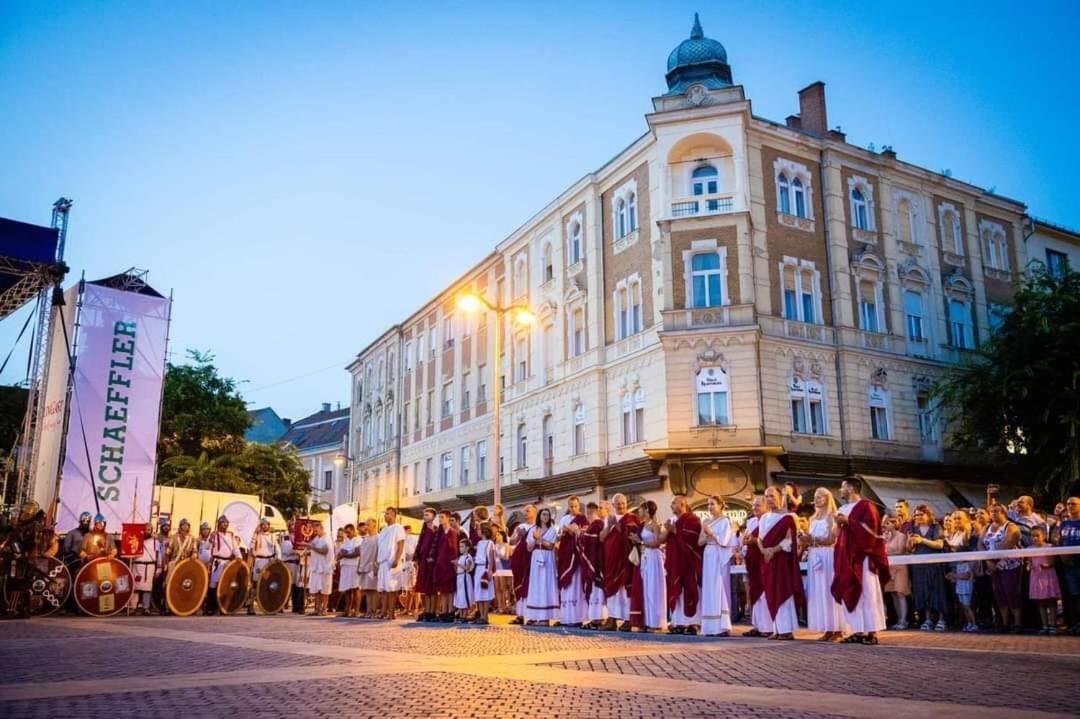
(343, 461)
(472, 303)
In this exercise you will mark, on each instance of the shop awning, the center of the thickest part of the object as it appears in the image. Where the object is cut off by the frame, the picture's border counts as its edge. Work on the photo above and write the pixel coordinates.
(931, 492)
(975, 494)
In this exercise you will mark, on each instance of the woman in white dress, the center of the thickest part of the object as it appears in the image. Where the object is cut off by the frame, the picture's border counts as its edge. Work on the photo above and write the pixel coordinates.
(542, 602)
(823, 613)
(718, 538)
(484, 574)
(463, 593)
(653, 576)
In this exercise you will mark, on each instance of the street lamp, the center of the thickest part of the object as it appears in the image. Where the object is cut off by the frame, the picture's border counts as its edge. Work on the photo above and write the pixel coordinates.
(471, 303)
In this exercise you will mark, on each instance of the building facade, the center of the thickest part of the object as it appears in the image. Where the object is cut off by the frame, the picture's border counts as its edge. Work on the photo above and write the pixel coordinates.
(321, 440)
(729, 302)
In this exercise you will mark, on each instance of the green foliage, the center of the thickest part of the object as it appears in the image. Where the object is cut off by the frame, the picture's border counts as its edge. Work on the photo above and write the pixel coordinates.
(202, 441)
(1018, 396)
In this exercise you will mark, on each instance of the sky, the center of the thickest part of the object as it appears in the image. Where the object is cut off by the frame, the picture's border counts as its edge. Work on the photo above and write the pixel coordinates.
(303, 175)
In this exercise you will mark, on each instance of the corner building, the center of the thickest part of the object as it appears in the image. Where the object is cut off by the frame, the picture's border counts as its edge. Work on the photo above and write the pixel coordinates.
(729, 302)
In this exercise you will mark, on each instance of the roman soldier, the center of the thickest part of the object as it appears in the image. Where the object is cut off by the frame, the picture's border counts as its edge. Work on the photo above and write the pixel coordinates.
(264, 549)
(224, 547)
(145, 569)
(98, 543)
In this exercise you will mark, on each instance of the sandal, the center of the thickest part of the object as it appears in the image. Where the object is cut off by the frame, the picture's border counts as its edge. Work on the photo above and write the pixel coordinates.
(853, 639)
(870, 640)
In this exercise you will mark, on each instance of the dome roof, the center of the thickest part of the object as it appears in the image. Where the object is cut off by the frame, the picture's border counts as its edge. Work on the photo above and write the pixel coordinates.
(697, 49)
(697, 60)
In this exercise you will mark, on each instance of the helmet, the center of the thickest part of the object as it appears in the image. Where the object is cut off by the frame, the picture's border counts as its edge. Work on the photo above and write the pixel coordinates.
(28, 509)
(222, 518)
(99, 519)
(164, 522)
(184, 522)
(204, 525)
(84, 518)
(264, 520)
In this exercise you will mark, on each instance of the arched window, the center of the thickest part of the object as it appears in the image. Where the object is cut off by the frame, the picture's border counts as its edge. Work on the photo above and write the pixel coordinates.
(906, 221)
(860, 215)
(522, 447)
(783, 187)
(579, 429)
(549, 266)
(707, 279)
(631, 211)
(574, 253)
(713, 397)
(800, 197)
(622, 220)
(704, 180)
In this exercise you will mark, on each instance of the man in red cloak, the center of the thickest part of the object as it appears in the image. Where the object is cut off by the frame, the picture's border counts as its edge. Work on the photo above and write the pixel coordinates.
(568, 565)
(780, 574)
(592, 563)
(618, 569)
(425, 565)
(682, 562)
(445, 576)
(860, 565)
(521, 561)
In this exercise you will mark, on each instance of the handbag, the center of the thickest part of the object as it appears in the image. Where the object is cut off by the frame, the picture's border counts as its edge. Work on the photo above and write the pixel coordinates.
(635, 556)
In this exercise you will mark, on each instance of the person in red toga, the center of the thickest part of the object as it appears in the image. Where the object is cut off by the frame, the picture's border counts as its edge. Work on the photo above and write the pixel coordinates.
(444, 577)
(424, 558)
(573, 606)
(592, 564)
(860, 565)
(780, 575)
(618, 570)
(521, 561)
(682, 560)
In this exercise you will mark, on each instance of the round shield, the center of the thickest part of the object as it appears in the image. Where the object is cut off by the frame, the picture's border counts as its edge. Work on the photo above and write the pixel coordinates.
(233, 585)
(275, 584)
(103, 587)
(47, 585)
(185, 589)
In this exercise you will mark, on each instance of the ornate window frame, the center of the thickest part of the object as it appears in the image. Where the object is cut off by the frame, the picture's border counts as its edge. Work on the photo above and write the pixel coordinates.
(915, 219)
(806, 385)
(994, 245)
(866, 234)
(799, 267)
(698, 247)
(792, 170)
(626, 196)
(949, 215)
(625, 291)
(867, 266)
(574, 266)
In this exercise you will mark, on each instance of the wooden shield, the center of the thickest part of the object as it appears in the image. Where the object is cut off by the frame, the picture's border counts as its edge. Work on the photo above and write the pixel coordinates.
(233, 586)
(48, 584)
(103, 587)
(275, 584)
(186, 587)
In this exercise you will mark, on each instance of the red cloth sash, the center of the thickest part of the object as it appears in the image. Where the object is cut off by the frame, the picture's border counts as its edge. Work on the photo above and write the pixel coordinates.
(568, 553)
(683, 564)
(446, 554)
(592, 557)
(618, 571)
(637, 596)
(853, 545)
(781, 576)
(754, 560)
(520, 561)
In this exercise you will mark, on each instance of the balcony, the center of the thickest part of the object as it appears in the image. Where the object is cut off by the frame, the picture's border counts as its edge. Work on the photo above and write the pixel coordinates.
(797, 330)
(701, 205)
(879, 341)
(702, 317)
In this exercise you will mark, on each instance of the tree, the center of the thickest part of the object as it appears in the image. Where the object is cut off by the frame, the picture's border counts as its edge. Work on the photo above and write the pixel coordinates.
(201, 410)
(1018, 396)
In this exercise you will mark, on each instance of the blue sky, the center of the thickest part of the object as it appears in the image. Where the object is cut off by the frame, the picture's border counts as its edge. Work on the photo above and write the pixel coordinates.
(302, 175)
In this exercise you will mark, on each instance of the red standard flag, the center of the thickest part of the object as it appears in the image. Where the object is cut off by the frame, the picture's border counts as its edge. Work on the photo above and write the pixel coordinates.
(131, 539)
(303, 532)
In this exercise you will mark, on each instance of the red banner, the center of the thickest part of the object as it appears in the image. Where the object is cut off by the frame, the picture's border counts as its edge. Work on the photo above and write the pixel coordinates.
(303, 532)
(131, 539)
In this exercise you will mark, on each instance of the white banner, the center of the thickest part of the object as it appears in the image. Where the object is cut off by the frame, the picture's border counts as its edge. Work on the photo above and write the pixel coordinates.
(113, 424)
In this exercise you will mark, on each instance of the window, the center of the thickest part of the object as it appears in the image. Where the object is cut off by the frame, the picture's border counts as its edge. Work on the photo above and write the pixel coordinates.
(465, 390)
(905, 217)
(420, 349)
(713, 397)
(915, 312)
(868, 306)
(448, 330)
(635, 307)
(416, 415)
(924, 412)
(430, 406)
(390, 368)
(628, 317)
(800, 197)
(328, 479)
(631, 210)
(879, 412)
(447, 399)
(427, 475)
(434, 340)
(579, 430)
(622, 219)
(408, 356)
(466, 460)
(522, 447)
(995, 245)
(405, 417)
(952, 238)
(577, 332)
(783, 187)
(801, 290)
(807, 406)
(481, 387)
(481, 461)
(548, 433)
(1056, 263)
(860, 214)
(704, 180)
(707, 278)
(575, 250)
(633, 417)
(521, 350)
(549, 266)
(378, 426)
(960, 324)
(447, 473)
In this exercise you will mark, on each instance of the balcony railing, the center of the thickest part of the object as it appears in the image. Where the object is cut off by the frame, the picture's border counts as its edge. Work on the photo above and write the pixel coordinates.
(703, 205)
(724, 316)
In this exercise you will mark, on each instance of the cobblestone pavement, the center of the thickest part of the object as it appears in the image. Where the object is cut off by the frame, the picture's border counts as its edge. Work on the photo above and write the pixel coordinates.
(291, 666)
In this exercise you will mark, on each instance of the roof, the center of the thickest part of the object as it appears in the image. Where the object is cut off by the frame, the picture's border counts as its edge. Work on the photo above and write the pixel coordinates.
(1058, 229)
(266, 426)
(322, 429)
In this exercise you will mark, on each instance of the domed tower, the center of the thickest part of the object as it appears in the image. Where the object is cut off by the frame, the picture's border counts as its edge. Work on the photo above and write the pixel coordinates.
(697, 60)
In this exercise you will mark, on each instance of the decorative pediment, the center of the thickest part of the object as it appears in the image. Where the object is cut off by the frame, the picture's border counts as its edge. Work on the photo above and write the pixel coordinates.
(710, 358)
(879, 378)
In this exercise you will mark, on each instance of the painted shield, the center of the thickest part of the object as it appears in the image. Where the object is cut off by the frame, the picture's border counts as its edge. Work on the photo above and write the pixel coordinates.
(104, 587)
(48, 583)
(186, 587)
(233, 585)
(275, 584)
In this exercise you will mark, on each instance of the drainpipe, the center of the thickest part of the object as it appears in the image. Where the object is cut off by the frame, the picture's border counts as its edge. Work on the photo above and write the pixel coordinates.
(832, 298)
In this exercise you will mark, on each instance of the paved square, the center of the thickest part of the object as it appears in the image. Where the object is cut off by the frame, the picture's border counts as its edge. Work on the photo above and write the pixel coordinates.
(287, 666)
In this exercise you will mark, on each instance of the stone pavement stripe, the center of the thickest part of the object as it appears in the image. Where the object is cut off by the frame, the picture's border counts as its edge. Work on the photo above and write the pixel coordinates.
(849, 705)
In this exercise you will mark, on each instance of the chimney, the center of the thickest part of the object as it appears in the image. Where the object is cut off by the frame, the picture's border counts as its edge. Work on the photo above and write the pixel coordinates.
(812, 109)
(325, 406)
